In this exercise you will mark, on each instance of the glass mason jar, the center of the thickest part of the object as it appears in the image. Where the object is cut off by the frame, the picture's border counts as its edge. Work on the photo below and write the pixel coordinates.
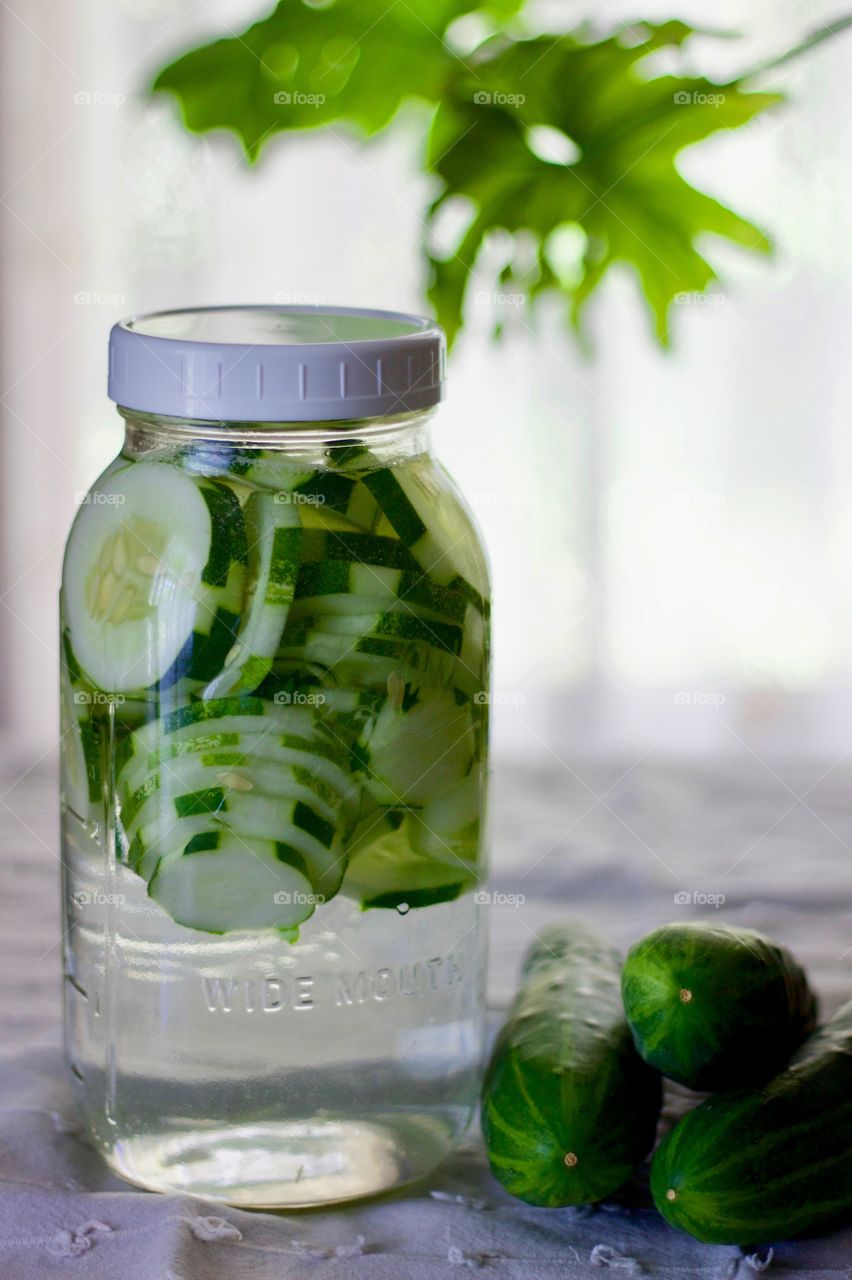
(274, 622)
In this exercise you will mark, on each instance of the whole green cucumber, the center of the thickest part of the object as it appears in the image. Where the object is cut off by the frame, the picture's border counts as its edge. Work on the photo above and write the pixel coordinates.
(569, 1108)
(759, 1165)
(715, 1007)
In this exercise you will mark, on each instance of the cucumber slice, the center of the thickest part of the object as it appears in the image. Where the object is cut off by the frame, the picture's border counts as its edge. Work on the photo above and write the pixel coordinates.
(229, 532)
(274, 532)
(418, 746)
(411, 504)
(472, 656)
(216, 626)
(373, 826)
(133, 573)
(203, 714)
(343, 579)
(270, 470)
(257, 717)
(371, 660)
(342, 587)
(362, 507)
(251, 816)
(228, 775)
(354, 455)
(388, 875)
(234, 772)
(241, 750)
(239, 884)
(331, 491)
(242, 767)
(399, 623)
(259, 815)
(82, 775)
(364, 548)
(217, 622)
(447, 828)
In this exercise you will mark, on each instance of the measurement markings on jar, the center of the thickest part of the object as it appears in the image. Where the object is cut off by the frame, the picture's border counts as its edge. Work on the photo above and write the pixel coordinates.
(274, 994)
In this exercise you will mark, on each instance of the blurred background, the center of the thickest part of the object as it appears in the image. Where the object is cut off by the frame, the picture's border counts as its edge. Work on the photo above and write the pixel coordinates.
(670, 532)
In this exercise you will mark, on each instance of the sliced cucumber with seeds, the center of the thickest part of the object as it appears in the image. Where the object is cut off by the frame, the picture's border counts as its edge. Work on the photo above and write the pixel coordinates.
(314, 722)
(208, 817)
(173, 785)
(239, 884)
(274, 533)
(133, 576)
(241, 749)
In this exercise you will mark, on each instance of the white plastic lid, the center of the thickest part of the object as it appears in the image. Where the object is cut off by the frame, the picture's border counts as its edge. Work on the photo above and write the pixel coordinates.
(276, 364)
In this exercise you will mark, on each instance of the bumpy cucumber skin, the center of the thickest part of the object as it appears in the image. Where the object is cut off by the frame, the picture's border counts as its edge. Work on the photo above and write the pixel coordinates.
(752, 1166)
(569, 1108)
(715, 1007)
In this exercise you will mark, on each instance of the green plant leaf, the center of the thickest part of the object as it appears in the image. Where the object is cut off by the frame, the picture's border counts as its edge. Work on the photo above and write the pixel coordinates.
(621, 127)
(307, 65)
(622, 189)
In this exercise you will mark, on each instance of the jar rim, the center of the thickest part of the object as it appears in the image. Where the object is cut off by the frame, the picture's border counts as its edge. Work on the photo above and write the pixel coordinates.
(277, 363)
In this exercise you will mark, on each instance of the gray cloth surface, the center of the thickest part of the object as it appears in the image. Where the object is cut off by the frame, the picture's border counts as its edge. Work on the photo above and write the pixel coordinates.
(617, 846)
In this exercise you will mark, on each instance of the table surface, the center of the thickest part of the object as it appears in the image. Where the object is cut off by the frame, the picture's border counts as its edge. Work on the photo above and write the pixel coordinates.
(626, 847)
